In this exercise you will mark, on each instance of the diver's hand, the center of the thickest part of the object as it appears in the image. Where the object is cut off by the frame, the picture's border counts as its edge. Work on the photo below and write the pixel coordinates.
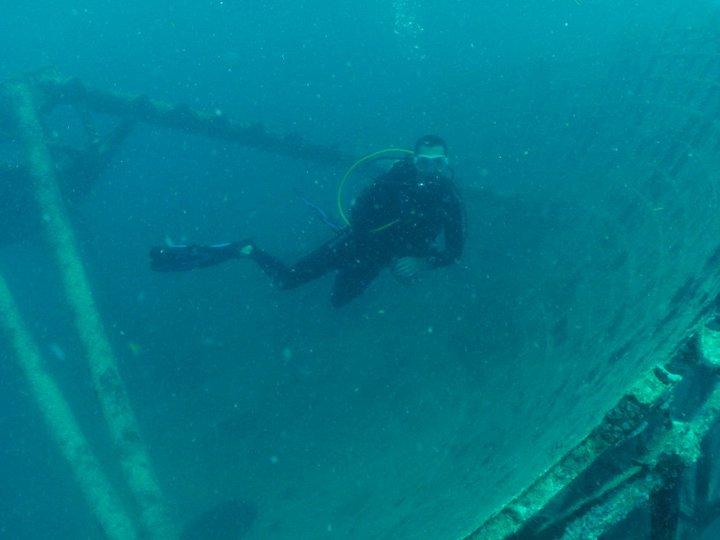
(409, 267)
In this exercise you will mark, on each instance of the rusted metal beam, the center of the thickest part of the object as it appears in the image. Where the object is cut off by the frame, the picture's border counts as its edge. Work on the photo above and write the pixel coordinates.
(108, 384)
(57, 90)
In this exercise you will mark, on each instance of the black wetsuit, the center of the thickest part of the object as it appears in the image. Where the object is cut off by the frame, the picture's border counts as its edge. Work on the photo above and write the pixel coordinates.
(397, 216)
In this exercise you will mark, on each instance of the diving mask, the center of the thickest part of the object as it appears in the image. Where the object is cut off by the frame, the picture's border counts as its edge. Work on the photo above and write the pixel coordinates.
(431, 164)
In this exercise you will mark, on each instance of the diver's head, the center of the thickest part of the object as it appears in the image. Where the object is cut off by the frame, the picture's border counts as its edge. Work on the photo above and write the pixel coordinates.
(431, 158)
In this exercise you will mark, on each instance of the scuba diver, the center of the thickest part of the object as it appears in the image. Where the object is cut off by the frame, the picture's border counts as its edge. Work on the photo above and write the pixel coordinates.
(394, 223)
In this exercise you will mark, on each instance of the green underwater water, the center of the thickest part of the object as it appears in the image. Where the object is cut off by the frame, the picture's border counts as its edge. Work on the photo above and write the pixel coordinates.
(587, 162)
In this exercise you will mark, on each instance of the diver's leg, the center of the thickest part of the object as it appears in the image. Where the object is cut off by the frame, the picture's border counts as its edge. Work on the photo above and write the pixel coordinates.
(351, 282)
(310, 267)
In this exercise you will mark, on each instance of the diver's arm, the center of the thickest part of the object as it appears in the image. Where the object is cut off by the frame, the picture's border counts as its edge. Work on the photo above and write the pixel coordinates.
(454, 229)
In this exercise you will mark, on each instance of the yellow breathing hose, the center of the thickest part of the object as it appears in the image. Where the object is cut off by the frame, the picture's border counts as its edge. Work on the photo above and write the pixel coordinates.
(349, 173)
